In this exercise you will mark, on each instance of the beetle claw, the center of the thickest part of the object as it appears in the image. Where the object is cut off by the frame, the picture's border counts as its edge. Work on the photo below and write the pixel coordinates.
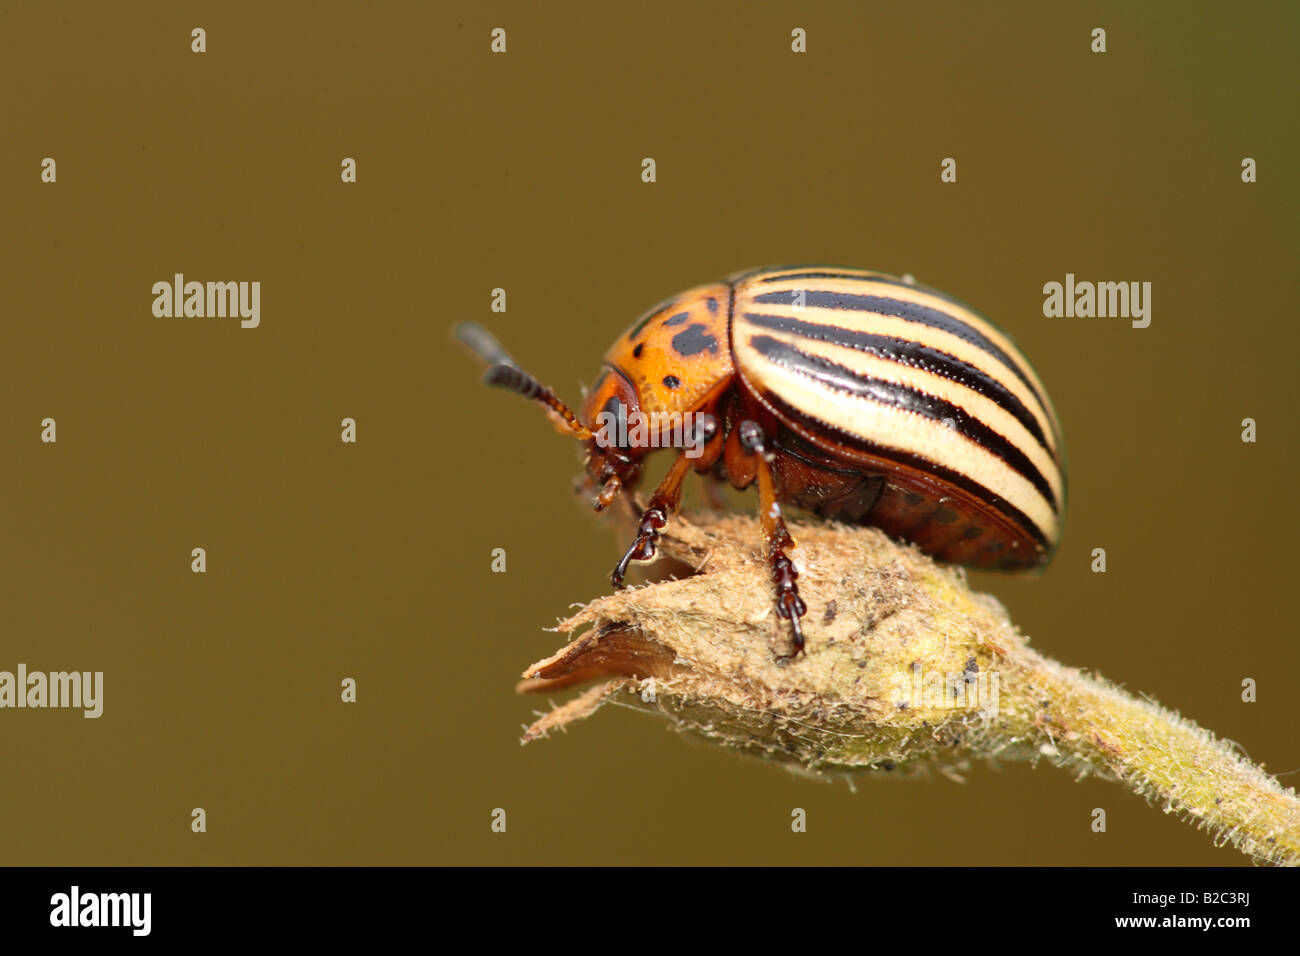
(791, 606)
(643, 547)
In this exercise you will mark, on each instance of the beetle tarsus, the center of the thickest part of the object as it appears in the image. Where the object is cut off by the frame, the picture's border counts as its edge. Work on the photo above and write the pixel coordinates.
(788, 603)
(644, 547)
(654, 519)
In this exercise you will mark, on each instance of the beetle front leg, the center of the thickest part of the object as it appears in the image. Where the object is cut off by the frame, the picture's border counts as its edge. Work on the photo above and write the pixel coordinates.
(776, 537)
(654, 519)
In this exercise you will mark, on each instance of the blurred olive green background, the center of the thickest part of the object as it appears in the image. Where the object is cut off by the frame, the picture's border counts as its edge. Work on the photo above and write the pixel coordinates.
(522, 171)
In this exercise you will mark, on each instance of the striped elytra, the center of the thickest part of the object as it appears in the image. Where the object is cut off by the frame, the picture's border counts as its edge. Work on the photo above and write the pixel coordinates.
(918, 388)
(855, 395)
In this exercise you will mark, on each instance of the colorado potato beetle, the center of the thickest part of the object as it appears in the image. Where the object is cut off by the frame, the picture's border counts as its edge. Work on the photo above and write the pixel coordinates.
(855, 395)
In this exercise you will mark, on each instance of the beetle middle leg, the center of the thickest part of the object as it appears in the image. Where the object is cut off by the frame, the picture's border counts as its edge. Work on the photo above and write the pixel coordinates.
(776, 536)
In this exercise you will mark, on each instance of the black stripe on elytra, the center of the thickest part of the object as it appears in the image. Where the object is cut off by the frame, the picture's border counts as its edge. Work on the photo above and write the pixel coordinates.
(840, 378)
(692, 340)
(955, 478)
(913, 355)
(909, 312)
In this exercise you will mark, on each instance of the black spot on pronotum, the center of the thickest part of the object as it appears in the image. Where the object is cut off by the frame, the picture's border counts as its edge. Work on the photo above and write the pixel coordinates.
(677, 319)
(694, 340)
(636, 352)
(713, 306)
(672, 381)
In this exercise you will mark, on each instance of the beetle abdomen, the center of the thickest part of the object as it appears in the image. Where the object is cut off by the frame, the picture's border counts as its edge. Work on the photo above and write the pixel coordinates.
(907, 385)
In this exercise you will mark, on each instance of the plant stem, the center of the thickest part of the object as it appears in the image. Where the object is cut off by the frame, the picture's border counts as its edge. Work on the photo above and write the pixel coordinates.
(907, 670)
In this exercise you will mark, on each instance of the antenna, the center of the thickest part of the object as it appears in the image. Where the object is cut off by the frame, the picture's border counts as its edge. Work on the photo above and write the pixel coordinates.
(503, 372)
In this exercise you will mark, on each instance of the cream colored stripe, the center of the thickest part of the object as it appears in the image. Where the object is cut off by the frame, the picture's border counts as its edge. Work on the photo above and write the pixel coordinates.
(915, 294)
(905, 431)
(874, 324)
(862, 284)
(973, 403)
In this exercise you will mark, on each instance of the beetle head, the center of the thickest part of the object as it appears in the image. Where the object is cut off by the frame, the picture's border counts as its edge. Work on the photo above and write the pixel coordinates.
(614, 455)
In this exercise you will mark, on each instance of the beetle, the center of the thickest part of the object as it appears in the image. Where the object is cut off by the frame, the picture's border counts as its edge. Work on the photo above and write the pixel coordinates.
(858, 396)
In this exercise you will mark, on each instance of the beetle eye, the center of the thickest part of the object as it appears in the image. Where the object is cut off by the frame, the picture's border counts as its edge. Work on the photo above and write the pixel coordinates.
(615, 413)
